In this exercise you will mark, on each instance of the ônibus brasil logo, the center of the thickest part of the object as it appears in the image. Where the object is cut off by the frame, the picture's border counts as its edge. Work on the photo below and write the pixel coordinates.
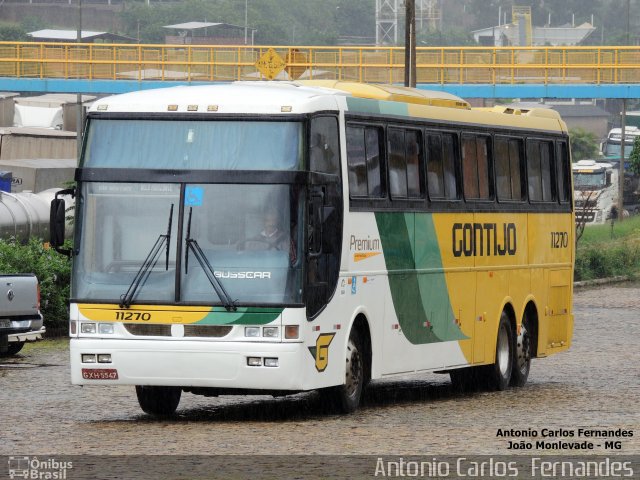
(35, 468)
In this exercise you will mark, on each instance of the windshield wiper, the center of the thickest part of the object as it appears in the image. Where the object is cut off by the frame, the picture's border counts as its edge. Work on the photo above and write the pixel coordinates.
(192, 245)
(148, 264)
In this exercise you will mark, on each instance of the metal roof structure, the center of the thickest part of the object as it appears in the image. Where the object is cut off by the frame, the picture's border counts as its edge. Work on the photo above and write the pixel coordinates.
(554, 36)
(200, 25)
(72, 35)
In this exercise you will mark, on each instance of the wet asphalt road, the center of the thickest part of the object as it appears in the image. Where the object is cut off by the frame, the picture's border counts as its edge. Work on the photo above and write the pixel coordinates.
(595, 385)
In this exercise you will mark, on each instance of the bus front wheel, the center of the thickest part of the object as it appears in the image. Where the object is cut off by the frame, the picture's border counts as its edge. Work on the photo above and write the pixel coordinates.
(159, 401)
(14, 348)
(498, 375)
(346, 398)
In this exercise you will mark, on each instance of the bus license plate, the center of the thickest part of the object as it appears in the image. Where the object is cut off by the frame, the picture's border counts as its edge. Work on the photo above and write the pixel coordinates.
(99, 374)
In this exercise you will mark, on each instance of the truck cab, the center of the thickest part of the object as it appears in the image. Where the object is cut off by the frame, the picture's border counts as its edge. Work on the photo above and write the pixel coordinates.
(595, 191)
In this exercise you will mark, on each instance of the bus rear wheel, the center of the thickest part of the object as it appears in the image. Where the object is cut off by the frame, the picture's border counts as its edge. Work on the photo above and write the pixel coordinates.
(524, 348)
(159, 401)
(346, 398)
(498, 375)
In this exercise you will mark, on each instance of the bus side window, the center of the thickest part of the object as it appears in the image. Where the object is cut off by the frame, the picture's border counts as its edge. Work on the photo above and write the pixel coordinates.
(363, 160)
(441, 171)
(404, 163)
(539, 169)
(508, 165)
(397, 163)
(324, 148)
(414, 161)
(449, 163)
(435, 172)
(563, 168)
(475, 167)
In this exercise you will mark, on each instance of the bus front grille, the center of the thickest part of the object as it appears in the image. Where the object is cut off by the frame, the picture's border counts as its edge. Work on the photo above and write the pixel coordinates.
(206, 330)
(148, 330)
(156, 330)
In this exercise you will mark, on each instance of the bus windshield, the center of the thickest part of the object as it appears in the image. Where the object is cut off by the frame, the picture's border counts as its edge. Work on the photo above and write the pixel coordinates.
(249, 235)
(595, 180)
(612, 149)
(192, 144)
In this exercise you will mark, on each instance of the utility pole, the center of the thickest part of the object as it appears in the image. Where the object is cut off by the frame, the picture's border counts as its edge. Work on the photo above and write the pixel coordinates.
(622, 155)
(623, 138)
(410, 44)
(79, 112)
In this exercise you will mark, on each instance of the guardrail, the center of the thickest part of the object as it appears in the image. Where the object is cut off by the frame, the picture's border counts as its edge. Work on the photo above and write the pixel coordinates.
(435, 65)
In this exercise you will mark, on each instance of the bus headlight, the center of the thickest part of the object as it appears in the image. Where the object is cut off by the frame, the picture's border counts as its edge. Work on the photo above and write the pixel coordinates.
(252, 332)
(105, 328)
(104, 358)
(88, 358)
(87, 328)
(270, 332)
(270, 362)
(254, 361)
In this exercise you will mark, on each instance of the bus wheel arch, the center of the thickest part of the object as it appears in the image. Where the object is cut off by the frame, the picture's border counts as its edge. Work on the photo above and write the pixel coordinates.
(346, 397)
(361, 324)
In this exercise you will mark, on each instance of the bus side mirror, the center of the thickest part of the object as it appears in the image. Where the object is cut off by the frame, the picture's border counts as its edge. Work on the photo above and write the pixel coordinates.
(608, 178)
(57, 222)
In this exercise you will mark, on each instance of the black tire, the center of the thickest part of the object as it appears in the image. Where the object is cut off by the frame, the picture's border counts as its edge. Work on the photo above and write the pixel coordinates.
(498, 375)
(12, 349)
(158, 401)
(523, 354)
(346, 398)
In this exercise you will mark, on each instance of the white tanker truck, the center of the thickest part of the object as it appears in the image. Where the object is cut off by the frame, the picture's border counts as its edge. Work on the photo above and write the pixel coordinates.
(24, 215)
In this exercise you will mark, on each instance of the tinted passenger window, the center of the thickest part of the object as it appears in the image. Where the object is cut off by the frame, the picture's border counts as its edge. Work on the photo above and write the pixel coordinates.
(404, 163)
(509, 168)
(324, 147)
(441, 171)
(475, 167)
(363, 160)
(539, 170)
(564, 169)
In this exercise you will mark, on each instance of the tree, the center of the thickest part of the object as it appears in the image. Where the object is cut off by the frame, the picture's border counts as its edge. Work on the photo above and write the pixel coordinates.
(12, 32)
(584, 144)
(634, 158)
(450, 37)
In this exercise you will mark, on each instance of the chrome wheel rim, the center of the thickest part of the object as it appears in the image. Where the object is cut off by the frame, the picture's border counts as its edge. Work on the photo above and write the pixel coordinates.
(354, 369)
(502, 354)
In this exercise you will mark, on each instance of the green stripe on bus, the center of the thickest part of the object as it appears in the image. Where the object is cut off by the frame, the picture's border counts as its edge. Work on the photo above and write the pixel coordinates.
(420, 300)
(366, 105)
(362, 105)
(243, 316)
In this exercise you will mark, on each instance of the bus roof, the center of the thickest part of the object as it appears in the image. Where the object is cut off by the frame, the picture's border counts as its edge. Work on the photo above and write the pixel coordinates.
(590, 166)
(278, 97)
(393, 93)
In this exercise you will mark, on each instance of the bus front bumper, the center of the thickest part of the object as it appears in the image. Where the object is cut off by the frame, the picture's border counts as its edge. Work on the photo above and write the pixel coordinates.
(188, 363)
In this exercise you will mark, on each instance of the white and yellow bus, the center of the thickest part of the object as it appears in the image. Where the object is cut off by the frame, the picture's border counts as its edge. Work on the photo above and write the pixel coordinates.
(258, 237)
